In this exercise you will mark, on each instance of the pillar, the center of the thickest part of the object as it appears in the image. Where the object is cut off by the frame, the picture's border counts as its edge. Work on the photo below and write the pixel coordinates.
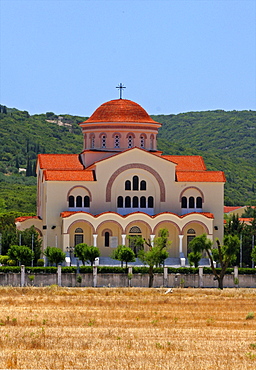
(95, 240)
(123, 239)
(201, 273)
(94, 272)
(180, 245)
(22, 275)
(152, 237)
(59, 275)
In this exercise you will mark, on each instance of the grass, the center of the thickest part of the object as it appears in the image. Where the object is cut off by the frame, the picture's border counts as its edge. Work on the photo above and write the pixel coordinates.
(126, 328)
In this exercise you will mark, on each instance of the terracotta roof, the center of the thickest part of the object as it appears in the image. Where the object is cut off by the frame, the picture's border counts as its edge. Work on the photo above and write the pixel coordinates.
(51, 175)
(24, 218)
(228, 209)
(120, 110)
(59, 162)
(187, 162)
(200, 176)
(245, 219)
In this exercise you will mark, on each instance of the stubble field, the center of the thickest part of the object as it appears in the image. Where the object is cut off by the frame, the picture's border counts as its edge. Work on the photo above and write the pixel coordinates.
(127, 328)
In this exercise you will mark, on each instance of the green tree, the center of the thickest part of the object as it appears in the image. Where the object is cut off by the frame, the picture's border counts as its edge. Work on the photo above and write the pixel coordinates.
(194, 258)
(254, 254)
(156, 254)
(86, 253)
(55, 255)
(31, 239)
(21, 254)
(224, 254)
(123, 254)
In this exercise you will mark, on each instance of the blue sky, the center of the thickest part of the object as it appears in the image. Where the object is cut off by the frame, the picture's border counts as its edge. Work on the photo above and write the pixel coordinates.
(68, 56)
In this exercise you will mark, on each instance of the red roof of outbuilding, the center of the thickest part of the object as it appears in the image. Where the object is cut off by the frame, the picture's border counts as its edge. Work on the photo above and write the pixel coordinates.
(120, 110)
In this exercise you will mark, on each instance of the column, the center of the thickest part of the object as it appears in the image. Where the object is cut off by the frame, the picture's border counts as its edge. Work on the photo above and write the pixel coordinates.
(180, 245)
(95, 240)
(152, 237)
(123, 239)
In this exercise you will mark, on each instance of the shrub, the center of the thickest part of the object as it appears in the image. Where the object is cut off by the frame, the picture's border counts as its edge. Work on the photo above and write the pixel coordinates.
(40, 262)
(4, 260)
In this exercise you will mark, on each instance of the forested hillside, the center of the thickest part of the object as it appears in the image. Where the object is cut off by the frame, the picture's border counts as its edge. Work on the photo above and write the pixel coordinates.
(226, 140)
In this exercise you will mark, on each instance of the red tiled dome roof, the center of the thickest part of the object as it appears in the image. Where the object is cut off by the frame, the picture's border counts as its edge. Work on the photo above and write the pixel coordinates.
(120, 110)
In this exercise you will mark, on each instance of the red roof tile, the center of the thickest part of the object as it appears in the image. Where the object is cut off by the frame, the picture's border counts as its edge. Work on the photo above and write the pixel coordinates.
(24, 218)
(120, 110)
(59, 162)
(51, 175)
(228, 209)
(200, 176)
(187, 162)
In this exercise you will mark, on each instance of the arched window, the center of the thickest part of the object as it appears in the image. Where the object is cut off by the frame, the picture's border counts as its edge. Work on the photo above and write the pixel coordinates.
(184, 203)
(151, 142)
(143, 185)
(103, 141)
(117, 141)
(191, 234)
(199, 202)
(150, 202)
(79, 201)
(130, 141)
(127, 202)
(71, 201)
(86, 201)
(127, 185)
(135, 183)
(191, 202)
(135, 202)
(120, 202)
(142, 202)
(142, 142)
(106, 237)
(92, 142)
(79, 237)
(135, 230)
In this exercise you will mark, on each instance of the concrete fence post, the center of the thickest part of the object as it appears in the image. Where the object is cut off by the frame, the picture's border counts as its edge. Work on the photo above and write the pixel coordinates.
(201, 275)
(165, 282)
(22, 275)
(95, 270)
(236, 281)
(59, 275)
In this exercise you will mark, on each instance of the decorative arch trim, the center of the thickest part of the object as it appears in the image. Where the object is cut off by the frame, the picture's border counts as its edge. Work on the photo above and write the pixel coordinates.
(116, 133)
(135, 165)
(192, 187)
(169, 222)
(112, 222)
(81, 220)
(82, 187)
(143, 135)
(195, 222)
(106, 231)
(134, 223)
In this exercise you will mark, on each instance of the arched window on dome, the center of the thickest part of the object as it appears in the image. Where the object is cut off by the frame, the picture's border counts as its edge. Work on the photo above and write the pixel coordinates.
(130, 141)
(151, 142)
(92, 141)
(103, 141)
(117, 141)
(142, 142)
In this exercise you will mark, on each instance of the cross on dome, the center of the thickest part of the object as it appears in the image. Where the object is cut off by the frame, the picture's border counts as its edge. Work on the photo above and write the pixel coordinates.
(120, 87)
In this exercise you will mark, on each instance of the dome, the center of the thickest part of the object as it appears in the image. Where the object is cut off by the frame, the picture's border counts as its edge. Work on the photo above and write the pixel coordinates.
(120, 110)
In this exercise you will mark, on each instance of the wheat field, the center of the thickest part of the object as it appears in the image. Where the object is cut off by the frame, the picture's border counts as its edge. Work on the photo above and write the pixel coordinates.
(127, 328)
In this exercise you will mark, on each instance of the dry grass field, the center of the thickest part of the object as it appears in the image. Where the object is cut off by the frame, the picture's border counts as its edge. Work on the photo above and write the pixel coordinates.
(127, 328)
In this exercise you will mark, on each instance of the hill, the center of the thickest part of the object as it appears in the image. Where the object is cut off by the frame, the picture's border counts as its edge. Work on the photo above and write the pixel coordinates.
(226, 140)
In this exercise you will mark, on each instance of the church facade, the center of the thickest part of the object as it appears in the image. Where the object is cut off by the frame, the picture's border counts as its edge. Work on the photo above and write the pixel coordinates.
(121, 185)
